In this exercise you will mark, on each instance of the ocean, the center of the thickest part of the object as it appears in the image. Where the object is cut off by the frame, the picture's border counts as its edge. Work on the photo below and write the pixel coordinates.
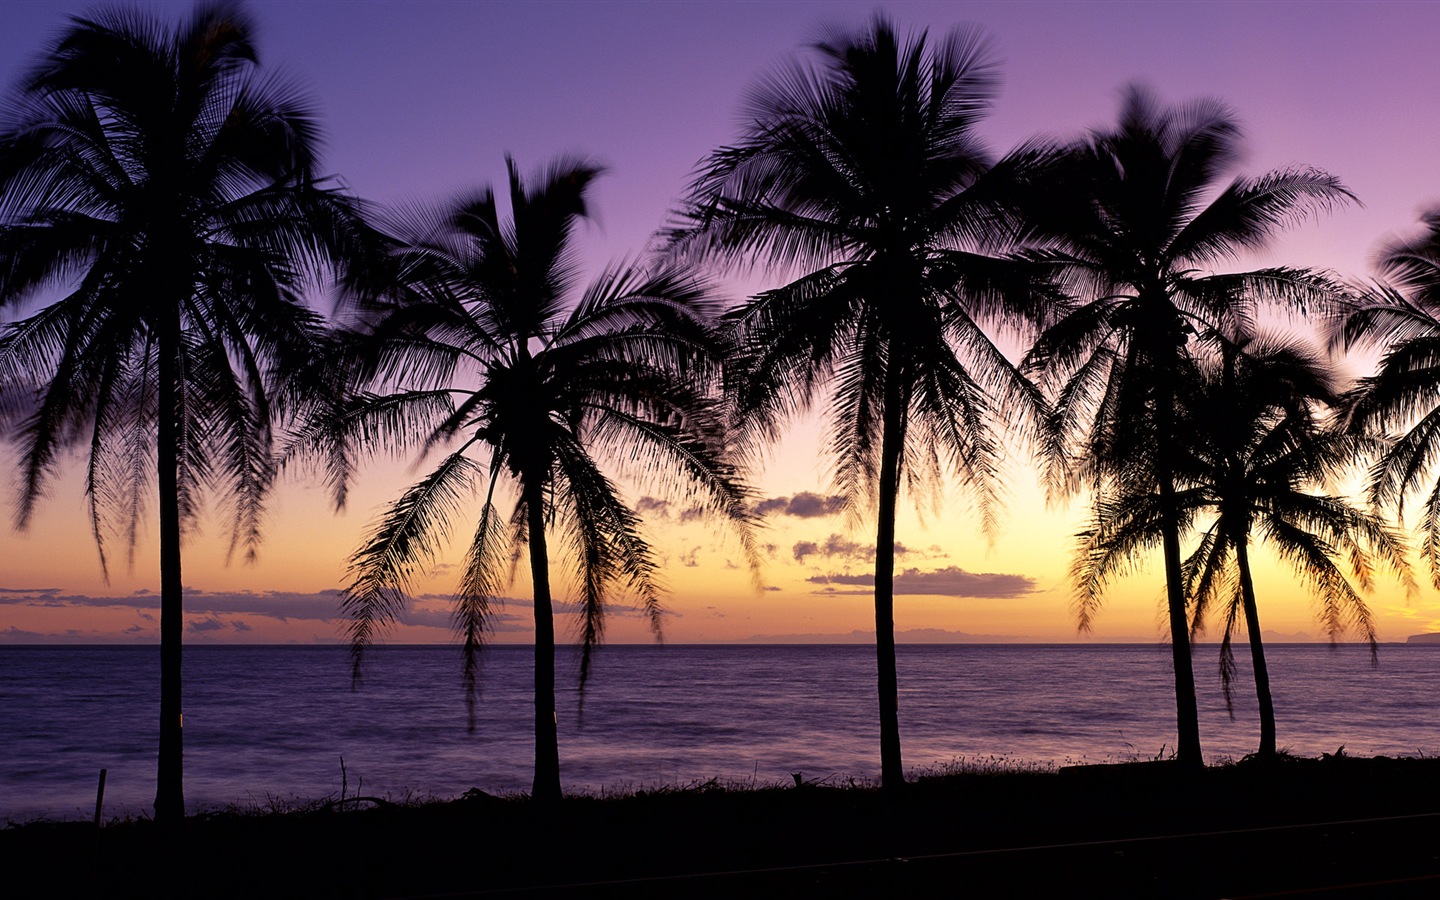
(269, 726)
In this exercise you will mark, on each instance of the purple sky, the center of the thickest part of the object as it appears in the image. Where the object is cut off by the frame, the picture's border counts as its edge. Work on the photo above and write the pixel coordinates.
(419, 100)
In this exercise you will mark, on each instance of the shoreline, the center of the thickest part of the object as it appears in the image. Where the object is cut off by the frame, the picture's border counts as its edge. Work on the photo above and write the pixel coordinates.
(1130, 829)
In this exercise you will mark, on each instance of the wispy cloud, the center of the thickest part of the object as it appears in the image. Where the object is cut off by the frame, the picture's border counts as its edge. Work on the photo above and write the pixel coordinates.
(951, 581)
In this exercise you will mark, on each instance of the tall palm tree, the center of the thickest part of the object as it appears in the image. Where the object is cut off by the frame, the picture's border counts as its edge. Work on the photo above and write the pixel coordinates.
(488, 352)
(164, 190)
(1131, 219)
(1253, 452)
(862, 171)
(1402, 314)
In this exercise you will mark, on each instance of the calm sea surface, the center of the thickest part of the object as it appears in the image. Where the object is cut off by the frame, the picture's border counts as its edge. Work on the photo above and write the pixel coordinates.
(271, 724)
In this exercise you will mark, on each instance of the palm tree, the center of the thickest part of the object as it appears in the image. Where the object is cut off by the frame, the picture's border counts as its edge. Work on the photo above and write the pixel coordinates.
(486, 350)
(863, 172)
(1131, 219)
(163, 188)
(1402, 314)
(1253, 450)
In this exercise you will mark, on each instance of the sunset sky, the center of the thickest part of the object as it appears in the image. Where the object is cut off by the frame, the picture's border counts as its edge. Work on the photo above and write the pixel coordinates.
(422, 100)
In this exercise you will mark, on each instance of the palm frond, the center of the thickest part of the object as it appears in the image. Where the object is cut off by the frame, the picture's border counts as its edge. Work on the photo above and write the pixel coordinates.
(1250, 210)
(405, 539)
(479, 590)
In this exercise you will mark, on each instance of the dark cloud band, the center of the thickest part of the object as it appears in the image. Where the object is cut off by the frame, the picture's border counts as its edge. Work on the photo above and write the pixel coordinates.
(951, 581)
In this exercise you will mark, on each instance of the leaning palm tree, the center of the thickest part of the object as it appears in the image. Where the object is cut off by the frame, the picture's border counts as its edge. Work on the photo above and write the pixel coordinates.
(487, 352)
(1402, 315)
(159, 191)
(1131, 219)
(864, 173)
(1253, 453)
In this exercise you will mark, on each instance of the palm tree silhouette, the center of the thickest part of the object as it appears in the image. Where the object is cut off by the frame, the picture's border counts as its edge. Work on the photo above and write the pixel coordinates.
(1402, 313)
(157, 182)
(1130, 219)
(487, 350)
(864, 173)
(1253, 451)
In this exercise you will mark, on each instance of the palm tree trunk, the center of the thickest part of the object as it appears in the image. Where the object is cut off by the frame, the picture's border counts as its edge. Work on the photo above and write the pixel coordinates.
(892, 772)
(546, 788)
(1257, 653)
(1187, 714)
(169, 787)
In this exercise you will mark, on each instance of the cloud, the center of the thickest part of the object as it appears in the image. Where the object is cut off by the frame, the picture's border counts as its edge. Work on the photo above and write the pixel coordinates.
(656, 508)
(909, 636)
(425, 617)
(617, 603)
(804, 549)
(951, 581)
(206, 625)
(209, 608)
(20, 635)
(837, 546)
(283, 605)
(8, 590)
(414, 614)
(804, 505)
(212, 613)
(692, 514)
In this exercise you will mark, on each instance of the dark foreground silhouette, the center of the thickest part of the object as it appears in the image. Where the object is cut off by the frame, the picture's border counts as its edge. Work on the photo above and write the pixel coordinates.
(1333, 827)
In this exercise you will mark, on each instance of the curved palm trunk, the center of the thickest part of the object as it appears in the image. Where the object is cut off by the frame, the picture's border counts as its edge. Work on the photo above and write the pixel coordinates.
(547, 740)
(169, 788)
(892, 772)
(1187, 714)
(1257, 652)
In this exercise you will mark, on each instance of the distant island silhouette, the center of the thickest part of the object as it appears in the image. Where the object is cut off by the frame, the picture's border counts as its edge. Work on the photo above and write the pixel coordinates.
(1432, 637)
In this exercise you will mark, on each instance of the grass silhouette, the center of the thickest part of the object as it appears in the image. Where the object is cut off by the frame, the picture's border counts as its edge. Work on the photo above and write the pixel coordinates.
(987, 826)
